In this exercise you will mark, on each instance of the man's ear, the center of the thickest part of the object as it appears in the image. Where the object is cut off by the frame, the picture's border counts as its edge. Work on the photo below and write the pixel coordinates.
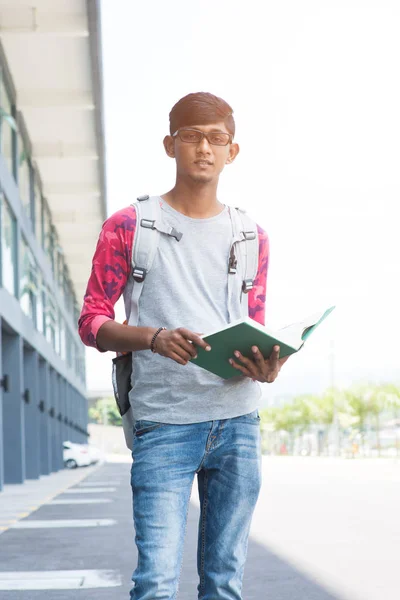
(169, 145)
(233, 152)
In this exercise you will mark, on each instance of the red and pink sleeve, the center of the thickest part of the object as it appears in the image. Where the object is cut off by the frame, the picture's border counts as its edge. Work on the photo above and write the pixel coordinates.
(111, 267)
(258, 293)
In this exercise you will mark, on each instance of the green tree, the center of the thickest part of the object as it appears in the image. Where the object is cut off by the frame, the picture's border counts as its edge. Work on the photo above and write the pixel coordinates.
(330, 410)
(358, 409)
(294, 418)
(377, 403)
(348, 409)
(105, 412)
(280, 419)
(392, 392)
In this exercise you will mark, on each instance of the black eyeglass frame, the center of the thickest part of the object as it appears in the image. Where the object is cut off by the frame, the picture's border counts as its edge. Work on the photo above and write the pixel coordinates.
(204, 135)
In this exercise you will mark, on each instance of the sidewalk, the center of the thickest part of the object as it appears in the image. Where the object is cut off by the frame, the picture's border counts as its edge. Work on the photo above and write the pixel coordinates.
(18, 501)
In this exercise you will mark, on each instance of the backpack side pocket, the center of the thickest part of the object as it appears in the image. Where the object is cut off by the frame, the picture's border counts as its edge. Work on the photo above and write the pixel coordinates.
(121, 380)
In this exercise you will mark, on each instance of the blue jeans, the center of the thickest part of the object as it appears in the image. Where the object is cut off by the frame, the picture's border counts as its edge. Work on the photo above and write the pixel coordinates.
(226, 455)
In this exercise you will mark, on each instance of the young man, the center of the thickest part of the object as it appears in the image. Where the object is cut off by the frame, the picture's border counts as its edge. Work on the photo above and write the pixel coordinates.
(187, 420)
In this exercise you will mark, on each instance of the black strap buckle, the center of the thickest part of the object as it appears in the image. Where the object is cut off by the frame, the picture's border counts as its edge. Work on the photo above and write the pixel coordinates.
(247, 285)
(139, 274)
(232, 266)
(176, 234)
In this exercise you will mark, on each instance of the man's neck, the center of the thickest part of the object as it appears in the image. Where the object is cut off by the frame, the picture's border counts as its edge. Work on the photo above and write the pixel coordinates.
(198, 203)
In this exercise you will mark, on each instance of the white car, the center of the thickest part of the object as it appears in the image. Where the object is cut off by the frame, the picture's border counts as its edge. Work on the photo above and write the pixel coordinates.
(76, 455)
(96, 455)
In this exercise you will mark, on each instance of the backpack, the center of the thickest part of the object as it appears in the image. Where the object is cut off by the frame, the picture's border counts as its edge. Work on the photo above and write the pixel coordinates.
(242, 267)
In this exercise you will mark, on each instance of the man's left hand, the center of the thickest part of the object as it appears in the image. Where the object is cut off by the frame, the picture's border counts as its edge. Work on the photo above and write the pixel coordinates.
(259, 368)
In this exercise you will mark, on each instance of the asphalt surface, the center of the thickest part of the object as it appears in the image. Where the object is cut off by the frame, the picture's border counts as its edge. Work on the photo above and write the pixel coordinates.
(312, 536)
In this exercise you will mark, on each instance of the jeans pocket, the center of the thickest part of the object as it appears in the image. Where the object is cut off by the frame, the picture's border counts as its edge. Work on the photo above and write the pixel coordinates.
(141, 427)
(252, 417)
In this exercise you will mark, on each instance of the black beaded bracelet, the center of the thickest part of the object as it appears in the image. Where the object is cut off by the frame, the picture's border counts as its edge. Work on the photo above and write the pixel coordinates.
(153, 339)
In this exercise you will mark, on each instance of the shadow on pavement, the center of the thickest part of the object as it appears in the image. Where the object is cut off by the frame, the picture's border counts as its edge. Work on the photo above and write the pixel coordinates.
(267, 576)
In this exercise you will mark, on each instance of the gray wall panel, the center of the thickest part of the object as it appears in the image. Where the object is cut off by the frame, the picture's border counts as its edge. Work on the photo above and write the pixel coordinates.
(13, 411)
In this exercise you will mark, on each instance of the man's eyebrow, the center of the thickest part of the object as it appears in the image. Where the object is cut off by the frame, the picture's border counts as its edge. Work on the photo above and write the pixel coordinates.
(211, 130)
(216, 131)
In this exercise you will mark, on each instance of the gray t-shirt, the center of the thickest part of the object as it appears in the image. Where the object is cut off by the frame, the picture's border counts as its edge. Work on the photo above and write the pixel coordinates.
(187, 286)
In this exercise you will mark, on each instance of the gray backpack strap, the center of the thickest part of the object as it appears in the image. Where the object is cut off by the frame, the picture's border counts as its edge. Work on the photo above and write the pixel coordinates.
(243, 257)
(145, 244)
(249, 250)
(149, 226)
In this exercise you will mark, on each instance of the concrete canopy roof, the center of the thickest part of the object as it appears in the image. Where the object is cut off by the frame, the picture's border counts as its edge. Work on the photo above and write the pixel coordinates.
(53, 50)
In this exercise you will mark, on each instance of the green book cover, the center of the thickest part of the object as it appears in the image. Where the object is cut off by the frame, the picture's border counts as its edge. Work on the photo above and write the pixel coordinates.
(243, 334)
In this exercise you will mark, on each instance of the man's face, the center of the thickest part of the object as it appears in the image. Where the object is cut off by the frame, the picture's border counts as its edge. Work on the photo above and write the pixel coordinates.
(201, 162)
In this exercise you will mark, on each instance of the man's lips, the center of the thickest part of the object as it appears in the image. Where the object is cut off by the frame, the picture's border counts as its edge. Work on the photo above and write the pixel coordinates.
(203, 162)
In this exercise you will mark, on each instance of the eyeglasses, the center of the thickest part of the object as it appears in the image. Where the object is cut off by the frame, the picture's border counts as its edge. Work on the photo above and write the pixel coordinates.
(195, 136)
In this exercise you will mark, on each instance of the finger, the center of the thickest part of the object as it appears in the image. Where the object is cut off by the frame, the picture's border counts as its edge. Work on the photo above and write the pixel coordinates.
(177, 358)
(247, 362)
(274, 356)
(258, 357)
(189, 348)
(179, 343)
(240, 368)
(195, 338)
(182, 352)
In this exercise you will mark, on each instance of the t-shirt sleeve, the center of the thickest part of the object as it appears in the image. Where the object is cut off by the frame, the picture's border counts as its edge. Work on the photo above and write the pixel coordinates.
(258, 293)
(111, 265)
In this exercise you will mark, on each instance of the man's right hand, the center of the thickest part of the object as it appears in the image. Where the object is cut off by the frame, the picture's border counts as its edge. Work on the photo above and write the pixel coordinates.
(179, 344)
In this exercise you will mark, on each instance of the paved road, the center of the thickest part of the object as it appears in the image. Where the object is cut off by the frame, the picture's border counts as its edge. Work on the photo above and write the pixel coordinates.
(323, 530)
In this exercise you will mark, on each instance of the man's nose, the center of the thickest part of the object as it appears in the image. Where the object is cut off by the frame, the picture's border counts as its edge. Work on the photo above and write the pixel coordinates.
(204, 145)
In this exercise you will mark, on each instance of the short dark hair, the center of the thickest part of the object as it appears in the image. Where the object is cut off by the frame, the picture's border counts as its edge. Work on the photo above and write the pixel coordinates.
(201, 108)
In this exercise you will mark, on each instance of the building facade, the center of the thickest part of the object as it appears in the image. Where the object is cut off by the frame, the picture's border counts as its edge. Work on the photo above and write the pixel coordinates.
(52, 204)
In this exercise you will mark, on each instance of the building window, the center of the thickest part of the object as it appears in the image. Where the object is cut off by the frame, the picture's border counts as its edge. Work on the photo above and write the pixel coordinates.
(57, 261)
(60, 270)
(8, 247)
(68, 294)
(38, 215)
(24, 176)
(53, 258)
(47, 232)
(28, 281)
(70, 343)
(73, 355)
(63, 343)
(7, 127)
(40, 304)
(50, 318)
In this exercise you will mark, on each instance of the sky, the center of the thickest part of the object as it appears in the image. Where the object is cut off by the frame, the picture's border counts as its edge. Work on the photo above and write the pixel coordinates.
(315, 90)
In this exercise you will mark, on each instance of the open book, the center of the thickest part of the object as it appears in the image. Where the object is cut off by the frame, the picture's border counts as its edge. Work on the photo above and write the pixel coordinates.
(243, 334)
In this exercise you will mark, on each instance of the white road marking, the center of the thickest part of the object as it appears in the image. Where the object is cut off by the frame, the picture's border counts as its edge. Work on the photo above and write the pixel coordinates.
(82, 501)
(90, 490)
(58, 580)
(98, 483)
(50, 524)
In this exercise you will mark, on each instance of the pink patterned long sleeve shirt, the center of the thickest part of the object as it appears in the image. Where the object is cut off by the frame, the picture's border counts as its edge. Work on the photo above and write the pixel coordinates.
(111, 267)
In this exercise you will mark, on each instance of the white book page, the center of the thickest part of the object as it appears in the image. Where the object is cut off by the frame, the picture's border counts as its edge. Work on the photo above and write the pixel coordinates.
(292, 333)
